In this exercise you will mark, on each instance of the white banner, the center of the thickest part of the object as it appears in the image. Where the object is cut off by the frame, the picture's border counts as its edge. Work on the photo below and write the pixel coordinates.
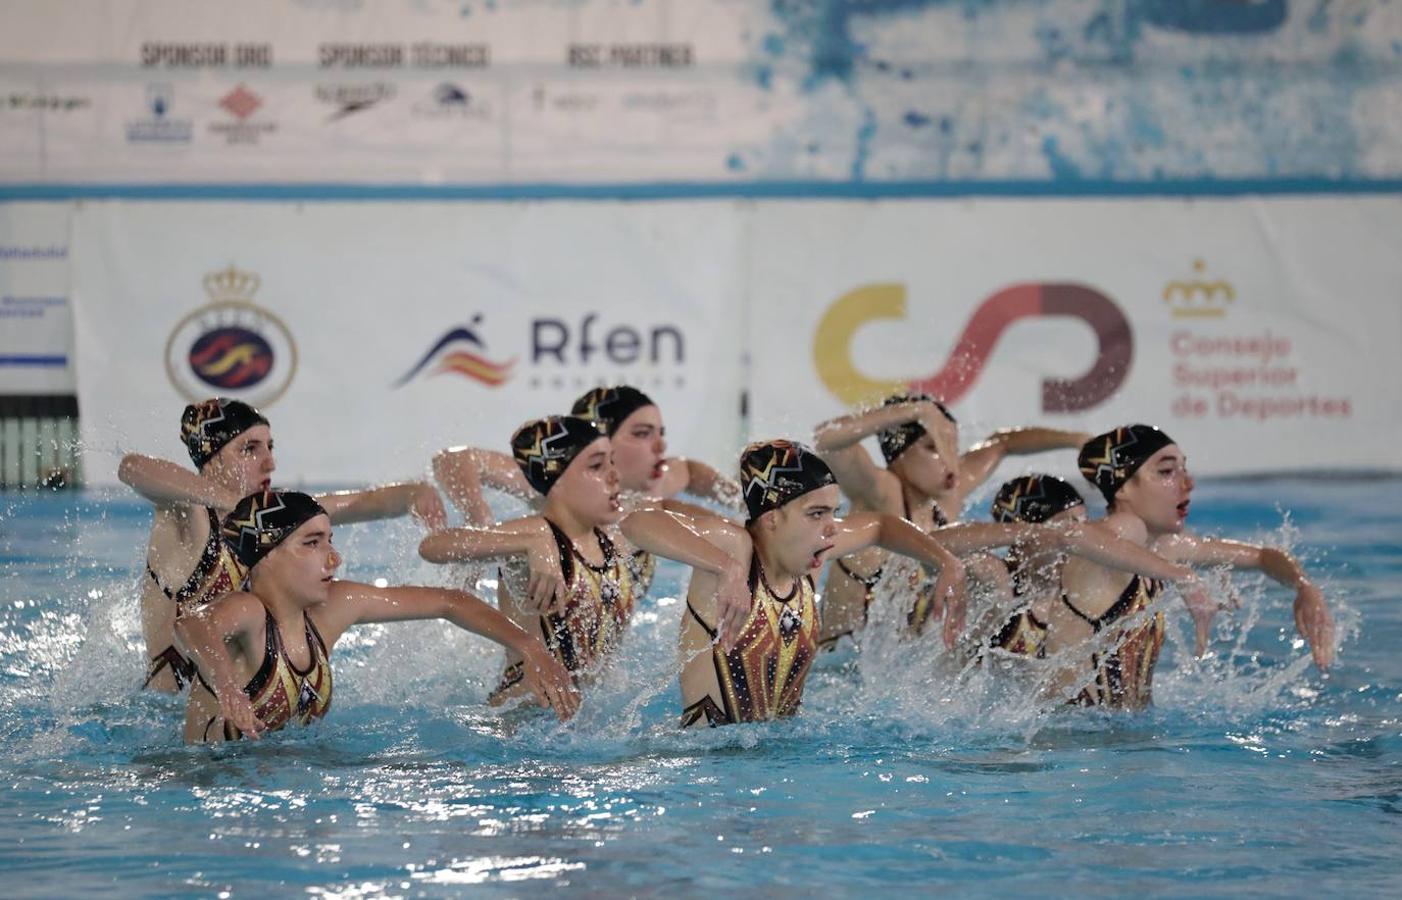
(1261, 333)
(36, 324)
(373, 335)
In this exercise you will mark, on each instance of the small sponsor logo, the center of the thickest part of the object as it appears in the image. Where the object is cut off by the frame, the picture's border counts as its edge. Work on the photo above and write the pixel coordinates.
(452, 101)
(25, 101)
(242, 104)
(231, 346)
(349, 99)
(160, 126)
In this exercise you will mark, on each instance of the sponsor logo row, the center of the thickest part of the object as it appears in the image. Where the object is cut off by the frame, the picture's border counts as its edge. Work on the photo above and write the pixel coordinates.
(241, 118)
(429, 55)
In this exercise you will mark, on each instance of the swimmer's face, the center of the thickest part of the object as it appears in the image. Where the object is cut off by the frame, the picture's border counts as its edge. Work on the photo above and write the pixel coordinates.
(639, 450)
(246, 463)
(305, 563)
(1158, 492)
(590, 486)
(922, 467)
(799, 534)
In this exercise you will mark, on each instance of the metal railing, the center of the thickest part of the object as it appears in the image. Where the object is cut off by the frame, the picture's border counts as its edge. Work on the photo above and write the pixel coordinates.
(39, 442)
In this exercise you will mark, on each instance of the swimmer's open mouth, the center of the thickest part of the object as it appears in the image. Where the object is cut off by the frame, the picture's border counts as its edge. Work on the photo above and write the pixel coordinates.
(1183, 509)
(818, 557)
(265, 484)
(660, 469)
(615, 503)
(949, 481)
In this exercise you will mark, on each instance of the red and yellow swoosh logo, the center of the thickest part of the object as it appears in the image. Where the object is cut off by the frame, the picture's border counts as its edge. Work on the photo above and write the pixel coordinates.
(470, 365)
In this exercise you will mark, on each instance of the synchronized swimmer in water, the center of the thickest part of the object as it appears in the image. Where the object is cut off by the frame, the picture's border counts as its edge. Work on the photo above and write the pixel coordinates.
(248, 608)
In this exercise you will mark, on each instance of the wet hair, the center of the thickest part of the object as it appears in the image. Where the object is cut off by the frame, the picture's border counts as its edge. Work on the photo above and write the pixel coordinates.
(898, 439)
(773, 473)
(207, 426)
(610, 406)
(261, 521)
(1109, 460)
(544, 448)
(1034, 499)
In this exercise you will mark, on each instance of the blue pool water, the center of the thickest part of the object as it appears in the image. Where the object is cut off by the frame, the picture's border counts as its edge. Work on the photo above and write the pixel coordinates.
(1253, 774)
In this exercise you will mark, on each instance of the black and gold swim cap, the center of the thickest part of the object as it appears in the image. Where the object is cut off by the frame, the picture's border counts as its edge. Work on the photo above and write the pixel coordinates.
(262, 520)
(544, 448)
(772, 473)
(897, 440)
(609, 406)
(1034, 498)
(207, 426)
(1109, 460)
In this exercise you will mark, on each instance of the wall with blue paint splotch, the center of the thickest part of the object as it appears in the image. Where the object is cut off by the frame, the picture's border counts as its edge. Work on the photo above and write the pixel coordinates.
(1075, 90)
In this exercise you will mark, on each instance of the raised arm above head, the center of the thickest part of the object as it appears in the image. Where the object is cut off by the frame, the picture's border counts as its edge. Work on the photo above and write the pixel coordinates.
(979, 461)
(838, 442)
(169, 484)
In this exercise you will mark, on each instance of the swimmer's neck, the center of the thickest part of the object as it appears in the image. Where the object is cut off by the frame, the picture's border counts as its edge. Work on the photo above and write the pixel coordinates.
(1128, 525)
(575, 527)
(284, 605)
(780, 579)
(916, 501)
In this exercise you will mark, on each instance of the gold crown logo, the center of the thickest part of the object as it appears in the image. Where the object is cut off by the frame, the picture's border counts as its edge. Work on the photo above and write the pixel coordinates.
(231, 285)
(1198, 298)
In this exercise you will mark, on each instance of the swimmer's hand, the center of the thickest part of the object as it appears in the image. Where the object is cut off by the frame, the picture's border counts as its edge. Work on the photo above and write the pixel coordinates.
(549, 681)
(545, 589)
(427, 507)
(1315, 624)
(1202, 606)
(733, 602)
(951, 589)
(237, 710)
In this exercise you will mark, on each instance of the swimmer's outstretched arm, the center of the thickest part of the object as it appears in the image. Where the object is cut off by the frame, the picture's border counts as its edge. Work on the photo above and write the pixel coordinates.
(165, 483)
(979, 461)
(529, 537)
(462, 472)
(838, 442)
(714, 547)
(1312, 617)
(691, 476)
(861, 530)
(389, 501)
(353, 603)
(208, 635)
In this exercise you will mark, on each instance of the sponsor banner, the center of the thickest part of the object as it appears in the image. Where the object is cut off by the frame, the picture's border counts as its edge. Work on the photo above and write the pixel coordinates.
(374, 335)
(36, 323)
(1261, 334)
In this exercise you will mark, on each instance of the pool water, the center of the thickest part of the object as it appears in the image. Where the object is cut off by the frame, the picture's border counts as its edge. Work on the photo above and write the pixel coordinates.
(1252, 774)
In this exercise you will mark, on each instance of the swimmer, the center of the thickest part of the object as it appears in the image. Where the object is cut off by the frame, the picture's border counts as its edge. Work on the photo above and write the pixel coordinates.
(1144, 478)
(925, 480)
(1035, 570)
(750, 630)
(566, 573)
(187, 564)
(638, 437)
(263, 654)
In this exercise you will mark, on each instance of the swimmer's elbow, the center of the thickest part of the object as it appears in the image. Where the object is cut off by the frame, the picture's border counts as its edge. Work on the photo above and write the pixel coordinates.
(433, 550)
(131, 469)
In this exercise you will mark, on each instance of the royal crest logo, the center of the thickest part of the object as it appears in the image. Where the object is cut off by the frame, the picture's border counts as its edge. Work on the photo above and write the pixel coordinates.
(231, 346)
(1199, 297)
(459, 352)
